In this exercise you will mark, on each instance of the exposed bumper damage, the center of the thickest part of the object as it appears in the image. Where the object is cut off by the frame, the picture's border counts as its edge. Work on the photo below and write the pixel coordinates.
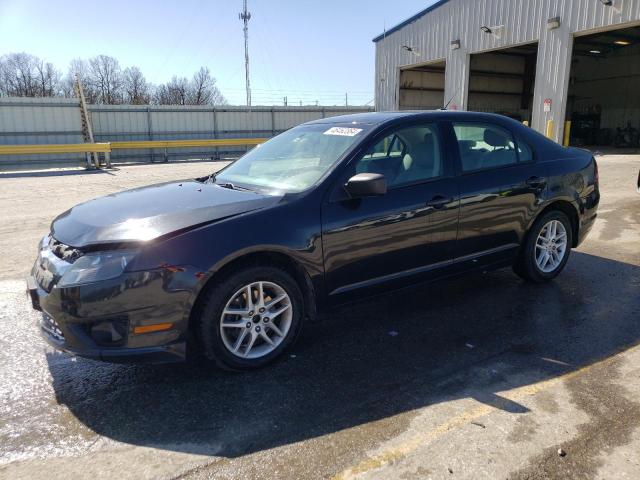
(114, 320)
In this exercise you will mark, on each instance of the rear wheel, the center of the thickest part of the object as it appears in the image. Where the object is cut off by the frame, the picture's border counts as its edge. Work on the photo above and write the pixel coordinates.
(547, 248)
(251, 318)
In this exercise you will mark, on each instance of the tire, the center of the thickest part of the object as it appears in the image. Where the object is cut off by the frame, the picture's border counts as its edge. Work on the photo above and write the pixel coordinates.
(528, 264)
(220, 330)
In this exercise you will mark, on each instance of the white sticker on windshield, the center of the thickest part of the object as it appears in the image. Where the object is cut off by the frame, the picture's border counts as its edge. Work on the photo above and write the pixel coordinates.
(343, 131)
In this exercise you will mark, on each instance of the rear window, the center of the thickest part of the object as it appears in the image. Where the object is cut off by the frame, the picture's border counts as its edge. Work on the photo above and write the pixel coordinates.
(484, 146)
(525, 154)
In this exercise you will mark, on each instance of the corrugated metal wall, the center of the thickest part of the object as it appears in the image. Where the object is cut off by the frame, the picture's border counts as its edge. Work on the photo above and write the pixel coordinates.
(41, 121)
(524, 21)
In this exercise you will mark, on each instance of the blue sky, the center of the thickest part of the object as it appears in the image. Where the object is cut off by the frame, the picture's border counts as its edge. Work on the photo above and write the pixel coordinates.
(304, 49)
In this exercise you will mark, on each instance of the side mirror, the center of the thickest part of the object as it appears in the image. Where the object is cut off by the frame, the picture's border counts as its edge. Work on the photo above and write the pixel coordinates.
(366, 185)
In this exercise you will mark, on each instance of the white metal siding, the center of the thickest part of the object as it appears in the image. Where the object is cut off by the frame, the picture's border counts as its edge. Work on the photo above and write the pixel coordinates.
(46, 120)
(525, 22)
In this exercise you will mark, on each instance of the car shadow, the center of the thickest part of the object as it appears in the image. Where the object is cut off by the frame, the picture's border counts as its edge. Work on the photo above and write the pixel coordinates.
(471, 337)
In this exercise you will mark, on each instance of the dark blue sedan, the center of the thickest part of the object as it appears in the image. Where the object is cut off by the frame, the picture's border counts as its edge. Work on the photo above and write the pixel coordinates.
(233, 264)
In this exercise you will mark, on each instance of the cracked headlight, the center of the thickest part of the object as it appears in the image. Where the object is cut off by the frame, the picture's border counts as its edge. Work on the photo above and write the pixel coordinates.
(95, 267)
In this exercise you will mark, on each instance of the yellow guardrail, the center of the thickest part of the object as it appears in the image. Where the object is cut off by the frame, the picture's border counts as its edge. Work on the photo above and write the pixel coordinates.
(218, 142)
(55, 148)
(108, 147)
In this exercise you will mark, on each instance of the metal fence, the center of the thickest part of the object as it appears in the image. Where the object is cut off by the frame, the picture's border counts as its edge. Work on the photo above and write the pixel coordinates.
(29, 121)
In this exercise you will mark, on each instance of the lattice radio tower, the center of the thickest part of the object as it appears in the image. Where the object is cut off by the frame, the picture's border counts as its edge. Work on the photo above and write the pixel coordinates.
(245, 16)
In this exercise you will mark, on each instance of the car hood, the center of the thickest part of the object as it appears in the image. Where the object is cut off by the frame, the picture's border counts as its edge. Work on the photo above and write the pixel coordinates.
(147, 213)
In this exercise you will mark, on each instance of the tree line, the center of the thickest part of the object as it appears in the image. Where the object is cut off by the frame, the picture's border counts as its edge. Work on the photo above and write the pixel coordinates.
(104, 81)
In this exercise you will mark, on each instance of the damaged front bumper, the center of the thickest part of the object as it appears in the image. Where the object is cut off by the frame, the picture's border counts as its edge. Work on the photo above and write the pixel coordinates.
(106, 336)
(114, 320)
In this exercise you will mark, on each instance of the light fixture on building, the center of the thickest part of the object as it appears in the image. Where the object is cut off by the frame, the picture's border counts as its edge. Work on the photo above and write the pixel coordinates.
(455, 44)
(624, 43)
(495, 31)
(411, 50)
(616, 4)
(553, 23)
(595, 52)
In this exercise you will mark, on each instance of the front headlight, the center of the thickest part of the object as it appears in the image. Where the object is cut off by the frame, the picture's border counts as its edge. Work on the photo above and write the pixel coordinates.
(95, 267)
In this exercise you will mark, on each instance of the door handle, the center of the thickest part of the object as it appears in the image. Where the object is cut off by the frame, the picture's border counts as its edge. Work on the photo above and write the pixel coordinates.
(536, 182)
(438, 202)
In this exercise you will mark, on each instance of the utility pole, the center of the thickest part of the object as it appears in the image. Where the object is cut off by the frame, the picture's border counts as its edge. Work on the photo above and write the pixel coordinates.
(346, 99)
(245, 16)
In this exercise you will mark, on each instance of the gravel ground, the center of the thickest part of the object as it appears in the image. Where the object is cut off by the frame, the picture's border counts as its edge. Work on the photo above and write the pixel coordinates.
(479, 377)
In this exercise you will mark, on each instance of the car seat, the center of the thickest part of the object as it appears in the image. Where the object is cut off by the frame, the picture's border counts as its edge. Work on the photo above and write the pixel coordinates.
(502, 153)
(421, 162)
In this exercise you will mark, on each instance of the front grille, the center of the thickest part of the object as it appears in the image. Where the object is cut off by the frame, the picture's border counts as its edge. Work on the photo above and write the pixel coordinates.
(51, 328)
(65, 252)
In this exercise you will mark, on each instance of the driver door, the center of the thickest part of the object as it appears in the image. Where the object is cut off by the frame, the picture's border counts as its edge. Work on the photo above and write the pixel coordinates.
(400, 237)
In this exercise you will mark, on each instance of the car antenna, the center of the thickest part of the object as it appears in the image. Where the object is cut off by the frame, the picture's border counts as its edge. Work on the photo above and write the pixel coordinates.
(450, 100)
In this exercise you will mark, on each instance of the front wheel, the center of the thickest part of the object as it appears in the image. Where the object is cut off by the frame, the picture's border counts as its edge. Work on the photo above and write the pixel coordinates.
(547, 248)
(251, 317)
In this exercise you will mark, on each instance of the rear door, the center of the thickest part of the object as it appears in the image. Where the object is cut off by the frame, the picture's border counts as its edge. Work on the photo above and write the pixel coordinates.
(500, 188)
(408, 233)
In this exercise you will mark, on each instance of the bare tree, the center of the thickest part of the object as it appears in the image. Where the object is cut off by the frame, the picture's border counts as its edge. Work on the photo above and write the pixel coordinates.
(24, 75)
(136, 88)
(203, 90)
(103, 81)
(105, 77)
(49, 79)
(175, 92)
(78, 68)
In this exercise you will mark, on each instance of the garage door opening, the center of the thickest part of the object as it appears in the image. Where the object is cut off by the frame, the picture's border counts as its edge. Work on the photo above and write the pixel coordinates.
(502, 81)
(422, 87)
(604, 99)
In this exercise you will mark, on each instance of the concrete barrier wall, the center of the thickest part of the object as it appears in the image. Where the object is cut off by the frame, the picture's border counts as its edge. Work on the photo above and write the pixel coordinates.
(25, 121)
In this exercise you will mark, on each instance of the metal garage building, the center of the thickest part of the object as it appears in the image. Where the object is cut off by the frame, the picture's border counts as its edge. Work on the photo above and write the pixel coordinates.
(542, 61)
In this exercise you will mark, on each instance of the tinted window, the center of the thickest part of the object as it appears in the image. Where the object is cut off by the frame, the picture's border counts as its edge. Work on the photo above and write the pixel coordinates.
(390, 146)
(525, 153)
(406, 156)
(484, 146)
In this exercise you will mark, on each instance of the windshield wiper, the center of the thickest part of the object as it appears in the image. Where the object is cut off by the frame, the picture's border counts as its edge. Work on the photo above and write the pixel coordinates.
(231, 186)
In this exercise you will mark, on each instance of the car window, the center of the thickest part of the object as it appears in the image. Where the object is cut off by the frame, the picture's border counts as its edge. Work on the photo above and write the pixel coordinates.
(484, 146)
(408, 155)
(390, 146)
(525, 154)
(294, 160)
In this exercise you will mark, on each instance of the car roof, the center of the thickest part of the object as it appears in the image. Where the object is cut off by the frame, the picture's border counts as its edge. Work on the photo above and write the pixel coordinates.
(369, 118)
(379, 118)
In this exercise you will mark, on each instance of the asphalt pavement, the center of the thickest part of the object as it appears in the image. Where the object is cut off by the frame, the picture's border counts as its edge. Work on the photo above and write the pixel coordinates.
(483, 376)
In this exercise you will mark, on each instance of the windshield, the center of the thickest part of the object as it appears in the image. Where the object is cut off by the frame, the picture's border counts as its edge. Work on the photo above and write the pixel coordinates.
(294, 160)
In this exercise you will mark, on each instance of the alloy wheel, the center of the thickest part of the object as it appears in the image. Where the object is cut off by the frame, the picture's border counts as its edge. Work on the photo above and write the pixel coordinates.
(551, 246)
(256, 320)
